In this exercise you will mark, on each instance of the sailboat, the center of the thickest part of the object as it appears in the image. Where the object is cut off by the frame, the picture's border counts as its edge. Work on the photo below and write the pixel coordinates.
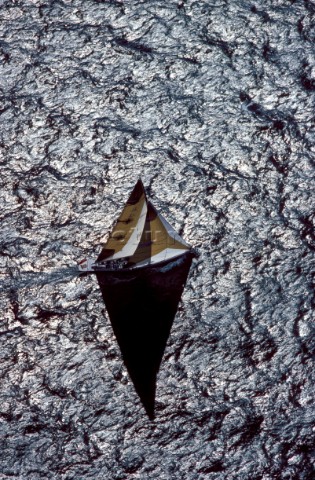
(141, 271)
(141, 237)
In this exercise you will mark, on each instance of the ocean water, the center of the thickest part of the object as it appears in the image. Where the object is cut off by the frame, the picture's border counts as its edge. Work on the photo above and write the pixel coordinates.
(212, 104)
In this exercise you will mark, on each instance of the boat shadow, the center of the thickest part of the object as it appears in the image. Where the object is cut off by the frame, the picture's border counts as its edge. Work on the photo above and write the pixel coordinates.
(141, 306)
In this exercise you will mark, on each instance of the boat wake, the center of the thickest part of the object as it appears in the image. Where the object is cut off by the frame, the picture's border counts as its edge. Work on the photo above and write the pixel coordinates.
(19, 280)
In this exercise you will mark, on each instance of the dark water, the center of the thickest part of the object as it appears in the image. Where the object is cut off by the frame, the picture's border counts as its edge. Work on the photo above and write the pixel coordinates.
(213, 104)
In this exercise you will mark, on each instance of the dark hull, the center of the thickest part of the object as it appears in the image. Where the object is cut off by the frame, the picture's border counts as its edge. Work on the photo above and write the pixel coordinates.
(133, 268)
(142, 305)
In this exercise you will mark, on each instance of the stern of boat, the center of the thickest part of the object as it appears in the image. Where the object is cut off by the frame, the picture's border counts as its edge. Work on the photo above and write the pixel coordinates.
(86, 265)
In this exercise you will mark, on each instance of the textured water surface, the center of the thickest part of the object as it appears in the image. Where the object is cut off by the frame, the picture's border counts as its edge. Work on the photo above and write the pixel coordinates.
(212, 103)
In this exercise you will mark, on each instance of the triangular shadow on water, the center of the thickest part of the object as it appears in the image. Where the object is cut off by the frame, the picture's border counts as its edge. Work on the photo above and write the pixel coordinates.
(141, 306)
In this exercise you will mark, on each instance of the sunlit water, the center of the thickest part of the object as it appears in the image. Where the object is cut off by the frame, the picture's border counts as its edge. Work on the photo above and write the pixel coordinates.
(212, 103)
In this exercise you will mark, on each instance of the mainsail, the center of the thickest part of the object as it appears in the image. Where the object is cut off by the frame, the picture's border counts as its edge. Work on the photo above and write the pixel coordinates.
(126, 234)
(141, 235)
